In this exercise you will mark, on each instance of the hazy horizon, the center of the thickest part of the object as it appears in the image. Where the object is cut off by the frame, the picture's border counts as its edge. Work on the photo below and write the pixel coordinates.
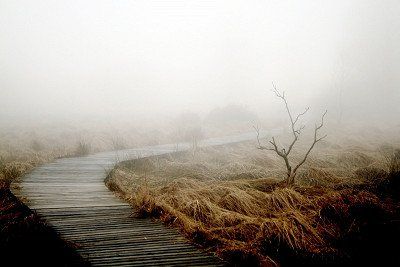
(113, 59)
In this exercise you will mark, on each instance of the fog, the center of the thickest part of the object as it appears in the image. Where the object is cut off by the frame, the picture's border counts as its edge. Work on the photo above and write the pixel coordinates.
(108, 60)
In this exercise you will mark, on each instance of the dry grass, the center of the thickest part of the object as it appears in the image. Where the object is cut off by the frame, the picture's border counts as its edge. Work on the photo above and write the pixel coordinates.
(13, 167)
(230, 200)
(23, 147)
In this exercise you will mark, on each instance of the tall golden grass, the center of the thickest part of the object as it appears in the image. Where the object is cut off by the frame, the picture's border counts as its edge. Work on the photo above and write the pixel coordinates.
(23, 147)
(230, 199)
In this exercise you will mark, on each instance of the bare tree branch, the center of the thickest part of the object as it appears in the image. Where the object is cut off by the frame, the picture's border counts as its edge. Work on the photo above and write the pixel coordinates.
(258, 139)
(316, 140)
(301, 114)
(283, 153)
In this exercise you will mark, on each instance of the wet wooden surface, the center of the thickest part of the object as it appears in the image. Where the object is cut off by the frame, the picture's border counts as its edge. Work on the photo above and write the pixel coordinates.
(70, 195)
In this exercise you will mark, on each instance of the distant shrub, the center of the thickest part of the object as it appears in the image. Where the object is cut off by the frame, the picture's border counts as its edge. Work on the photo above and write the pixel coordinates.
(187, 127)
(118, 143)
(82, 149)
(230, 115)
(37, 146)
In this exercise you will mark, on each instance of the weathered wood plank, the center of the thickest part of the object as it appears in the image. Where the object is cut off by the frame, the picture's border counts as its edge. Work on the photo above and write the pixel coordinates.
(70, 194)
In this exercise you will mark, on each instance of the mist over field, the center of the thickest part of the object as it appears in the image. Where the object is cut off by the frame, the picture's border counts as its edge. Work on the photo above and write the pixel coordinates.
(200, 133)
(108, 61)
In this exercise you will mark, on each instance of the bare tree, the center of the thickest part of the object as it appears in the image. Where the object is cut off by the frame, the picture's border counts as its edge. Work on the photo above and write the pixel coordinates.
(296, 131)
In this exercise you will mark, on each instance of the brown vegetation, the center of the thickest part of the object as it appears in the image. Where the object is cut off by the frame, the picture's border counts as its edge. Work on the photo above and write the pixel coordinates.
(24, 147)
(343, 209)
(26, 239)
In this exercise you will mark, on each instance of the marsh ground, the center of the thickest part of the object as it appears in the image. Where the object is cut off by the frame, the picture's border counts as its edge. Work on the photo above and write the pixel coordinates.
(343, 209)
(25, 238)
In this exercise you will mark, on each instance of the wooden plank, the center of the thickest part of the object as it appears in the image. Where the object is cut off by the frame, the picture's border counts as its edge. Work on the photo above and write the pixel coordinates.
(70, 194)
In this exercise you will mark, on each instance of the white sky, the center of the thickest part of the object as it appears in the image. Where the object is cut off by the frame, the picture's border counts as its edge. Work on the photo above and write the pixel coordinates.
(128, 57)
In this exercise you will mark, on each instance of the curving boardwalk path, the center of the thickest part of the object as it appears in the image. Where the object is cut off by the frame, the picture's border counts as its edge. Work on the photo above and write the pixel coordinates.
(70, 194)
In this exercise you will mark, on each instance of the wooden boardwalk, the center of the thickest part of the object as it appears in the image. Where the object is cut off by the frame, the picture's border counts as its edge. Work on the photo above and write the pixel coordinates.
(70, 195)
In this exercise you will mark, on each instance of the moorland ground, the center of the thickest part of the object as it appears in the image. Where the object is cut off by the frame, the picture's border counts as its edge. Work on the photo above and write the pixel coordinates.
(25, 238)
(343, 210)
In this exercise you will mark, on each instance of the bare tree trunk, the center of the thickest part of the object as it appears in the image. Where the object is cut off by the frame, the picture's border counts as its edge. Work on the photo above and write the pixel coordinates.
(290, 179)
(296, 131)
